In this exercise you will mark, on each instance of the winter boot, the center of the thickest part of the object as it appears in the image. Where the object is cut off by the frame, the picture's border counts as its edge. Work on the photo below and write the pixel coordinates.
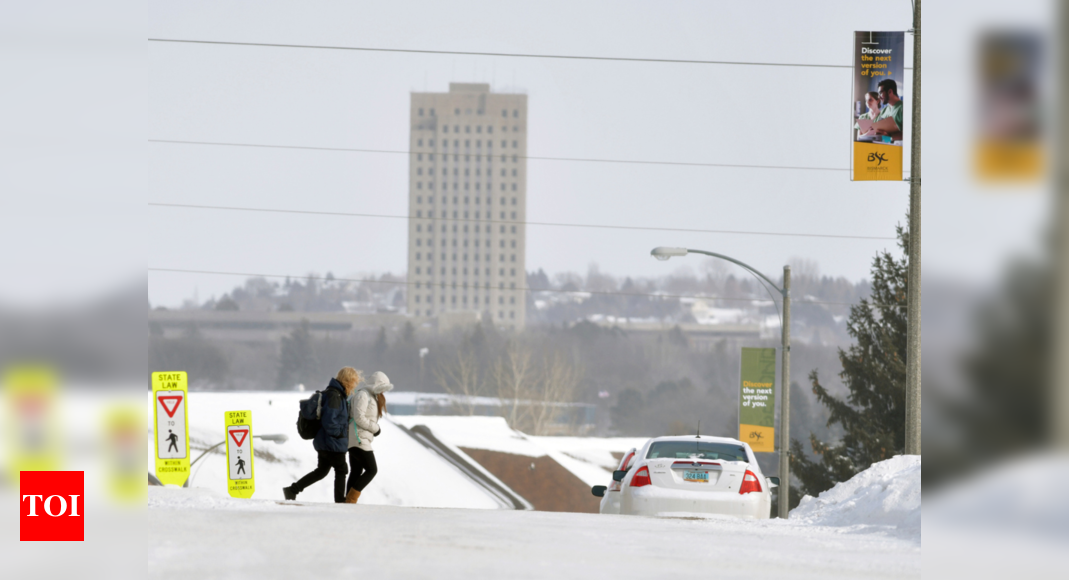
(289, 493)
(352, 496)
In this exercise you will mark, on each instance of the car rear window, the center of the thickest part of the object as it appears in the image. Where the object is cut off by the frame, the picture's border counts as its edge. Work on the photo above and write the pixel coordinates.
(696, 450)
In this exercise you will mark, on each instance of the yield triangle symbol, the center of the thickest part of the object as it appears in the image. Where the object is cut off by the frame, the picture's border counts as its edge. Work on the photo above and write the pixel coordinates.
(175, 399)
(234, 433)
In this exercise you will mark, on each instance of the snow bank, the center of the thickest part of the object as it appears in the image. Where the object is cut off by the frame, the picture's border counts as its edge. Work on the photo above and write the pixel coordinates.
(886, 496)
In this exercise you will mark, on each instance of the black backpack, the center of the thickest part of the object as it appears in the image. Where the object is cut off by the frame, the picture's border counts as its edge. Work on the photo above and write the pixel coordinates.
(308, 422)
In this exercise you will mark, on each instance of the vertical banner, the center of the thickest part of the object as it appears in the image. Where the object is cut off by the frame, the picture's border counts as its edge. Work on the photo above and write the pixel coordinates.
(239, 478)
(1010, 142)
(877, 109)
(170, 393)
(757, 400)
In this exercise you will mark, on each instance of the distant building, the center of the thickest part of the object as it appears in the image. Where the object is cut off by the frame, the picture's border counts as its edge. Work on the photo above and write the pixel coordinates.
(468, 204)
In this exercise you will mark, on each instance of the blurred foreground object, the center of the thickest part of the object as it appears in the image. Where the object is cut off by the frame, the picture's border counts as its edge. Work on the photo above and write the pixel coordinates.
(30, 417)
(1010, 144)
(124, 452)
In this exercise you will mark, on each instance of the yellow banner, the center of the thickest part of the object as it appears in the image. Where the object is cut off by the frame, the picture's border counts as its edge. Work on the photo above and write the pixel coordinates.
(877, 162)
(761, 439)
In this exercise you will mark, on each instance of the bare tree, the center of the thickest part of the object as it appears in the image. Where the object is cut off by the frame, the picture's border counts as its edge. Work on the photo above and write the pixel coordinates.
(559, 377)
(513, 373)
(462, 377)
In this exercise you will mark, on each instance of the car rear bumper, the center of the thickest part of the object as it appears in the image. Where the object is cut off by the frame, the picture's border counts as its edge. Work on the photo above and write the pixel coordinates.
(654, 501)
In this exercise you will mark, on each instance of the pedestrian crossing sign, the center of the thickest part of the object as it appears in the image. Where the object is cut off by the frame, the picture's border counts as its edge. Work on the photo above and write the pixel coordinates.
(170, 395)
(240, 480)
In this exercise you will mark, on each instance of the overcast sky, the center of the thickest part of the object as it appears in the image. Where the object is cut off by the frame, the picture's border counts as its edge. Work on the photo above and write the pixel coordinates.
(583, 109)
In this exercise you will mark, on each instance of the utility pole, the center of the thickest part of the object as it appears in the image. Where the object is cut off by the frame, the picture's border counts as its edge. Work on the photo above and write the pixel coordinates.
(1059, 389)
(785, 402)
(913, 274)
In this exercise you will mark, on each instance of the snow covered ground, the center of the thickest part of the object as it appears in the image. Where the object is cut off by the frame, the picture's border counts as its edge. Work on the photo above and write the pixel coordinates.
(196, 533)
(409, 474)
(860, 529)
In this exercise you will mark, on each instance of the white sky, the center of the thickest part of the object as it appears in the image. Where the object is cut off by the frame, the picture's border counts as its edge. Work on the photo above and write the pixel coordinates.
(612, 110)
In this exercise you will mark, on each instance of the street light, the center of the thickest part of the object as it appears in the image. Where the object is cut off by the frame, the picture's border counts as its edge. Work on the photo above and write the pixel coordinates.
(664, 253)
(274, 437)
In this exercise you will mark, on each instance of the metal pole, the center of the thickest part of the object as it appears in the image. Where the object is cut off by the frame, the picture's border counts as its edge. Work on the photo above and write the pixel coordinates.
(1059, 410)
(913, 274)
(785, 402)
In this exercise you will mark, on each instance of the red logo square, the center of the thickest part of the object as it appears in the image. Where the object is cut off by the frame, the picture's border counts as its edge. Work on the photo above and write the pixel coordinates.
(52, 506)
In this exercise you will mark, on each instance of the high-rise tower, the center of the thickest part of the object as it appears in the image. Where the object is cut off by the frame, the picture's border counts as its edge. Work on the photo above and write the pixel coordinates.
(467, 203)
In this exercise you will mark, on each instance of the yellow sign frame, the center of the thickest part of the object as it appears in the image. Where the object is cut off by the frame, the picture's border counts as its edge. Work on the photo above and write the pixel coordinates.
(243, 488)
(171, 471)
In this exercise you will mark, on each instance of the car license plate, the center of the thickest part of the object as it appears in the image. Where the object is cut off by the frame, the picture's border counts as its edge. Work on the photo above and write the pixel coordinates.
(696, 476)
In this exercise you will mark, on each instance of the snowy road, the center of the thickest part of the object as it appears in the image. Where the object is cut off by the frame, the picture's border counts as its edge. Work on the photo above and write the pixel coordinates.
(200, 534)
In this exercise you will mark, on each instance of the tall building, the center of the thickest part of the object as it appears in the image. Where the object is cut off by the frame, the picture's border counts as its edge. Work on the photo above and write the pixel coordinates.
(467, 204)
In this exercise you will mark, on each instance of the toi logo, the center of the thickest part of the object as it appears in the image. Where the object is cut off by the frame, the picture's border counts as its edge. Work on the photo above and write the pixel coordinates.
(52, 507)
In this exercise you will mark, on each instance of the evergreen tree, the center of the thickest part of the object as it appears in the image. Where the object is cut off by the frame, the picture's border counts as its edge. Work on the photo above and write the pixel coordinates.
(297, 362)
(873, 415)
(408, 335)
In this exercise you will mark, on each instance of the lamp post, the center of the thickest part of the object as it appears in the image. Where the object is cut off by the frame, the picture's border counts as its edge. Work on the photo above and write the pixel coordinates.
(663, 253)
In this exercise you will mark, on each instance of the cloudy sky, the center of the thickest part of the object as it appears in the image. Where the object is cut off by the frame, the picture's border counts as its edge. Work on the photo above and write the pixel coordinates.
(699, 113)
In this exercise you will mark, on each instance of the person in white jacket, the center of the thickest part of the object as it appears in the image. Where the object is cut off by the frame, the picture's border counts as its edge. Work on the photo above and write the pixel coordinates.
(368, 405)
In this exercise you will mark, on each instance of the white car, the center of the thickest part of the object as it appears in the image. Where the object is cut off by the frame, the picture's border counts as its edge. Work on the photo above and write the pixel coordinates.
(610, 496)
(692, 474)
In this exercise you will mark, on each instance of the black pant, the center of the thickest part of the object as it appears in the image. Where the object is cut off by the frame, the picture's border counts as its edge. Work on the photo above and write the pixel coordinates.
(363, 468)
(327, 460)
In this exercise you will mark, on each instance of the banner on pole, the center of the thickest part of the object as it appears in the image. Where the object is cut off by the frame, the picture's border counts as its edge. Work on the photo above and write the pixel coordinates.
(170, 393)
(877, 108)
(239, 480)
(757, 399)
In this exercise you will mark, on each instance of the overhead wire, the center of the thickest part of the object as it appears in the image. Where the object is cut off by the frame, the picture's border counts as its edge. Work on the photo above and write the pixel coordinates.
(491, 155)
(512, 222)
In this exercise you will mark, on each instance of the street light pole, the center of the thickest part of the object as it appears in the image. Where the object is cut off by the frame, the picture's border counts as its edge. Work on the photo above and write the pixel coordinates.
(663, 253)
(785, 401)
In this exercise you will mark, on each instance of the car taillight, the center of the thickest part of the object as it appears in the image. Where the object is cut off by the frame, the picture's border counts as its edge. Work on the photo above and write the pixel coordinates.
(750, 483)
(641, 478)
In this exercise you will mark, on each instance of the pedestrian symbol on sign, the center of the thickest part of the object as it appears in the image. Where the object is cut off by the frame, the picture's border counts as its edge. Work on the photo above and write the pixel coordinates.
(241, 463)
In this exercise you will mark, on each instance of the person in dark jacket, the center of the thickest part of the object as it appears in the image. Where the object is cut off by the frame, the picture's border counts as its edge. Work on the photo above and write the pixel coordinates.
(332, 440)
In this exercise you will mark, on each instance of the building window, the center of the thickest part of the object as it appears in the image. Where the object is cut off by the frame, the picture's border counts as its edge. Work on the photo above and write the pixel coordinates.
(419, 185)
(504, 113)
(513, 215)
(514, 173)
(430, 185)
(500, 300)
(512, 314)
(513, 272)
(514, 146)
(504, 143)
(419, 213)
(513, 257)
(515, 113)
(419, 242)
(431, 143)
(513, 187)
(513, 229)
(417, 269)
(445, 129)
(479, 129)
(419, 199)
(421, 112)
(514, 159)
(513, 245)
(417, 299)
(513, 286)
(503, 159)
(514, 201)
(419, 157)
(502, 227)
(490, 129)
(456, 111)
(512, 300)
(467, 128)
(419, 228)
(417, 256)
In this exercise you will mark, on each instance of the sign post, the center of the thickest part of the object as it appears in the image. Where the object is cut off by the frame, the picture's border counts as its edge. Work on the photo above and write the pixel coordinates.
(240, 480)
(757, 399)
(170, 392)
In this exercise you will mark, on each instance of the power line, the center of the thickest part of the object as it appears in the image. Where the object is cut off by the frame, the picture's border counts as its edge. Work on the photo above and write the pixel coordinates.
(475, 286)
(491, 155)
(505, 54)
(489, 221)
